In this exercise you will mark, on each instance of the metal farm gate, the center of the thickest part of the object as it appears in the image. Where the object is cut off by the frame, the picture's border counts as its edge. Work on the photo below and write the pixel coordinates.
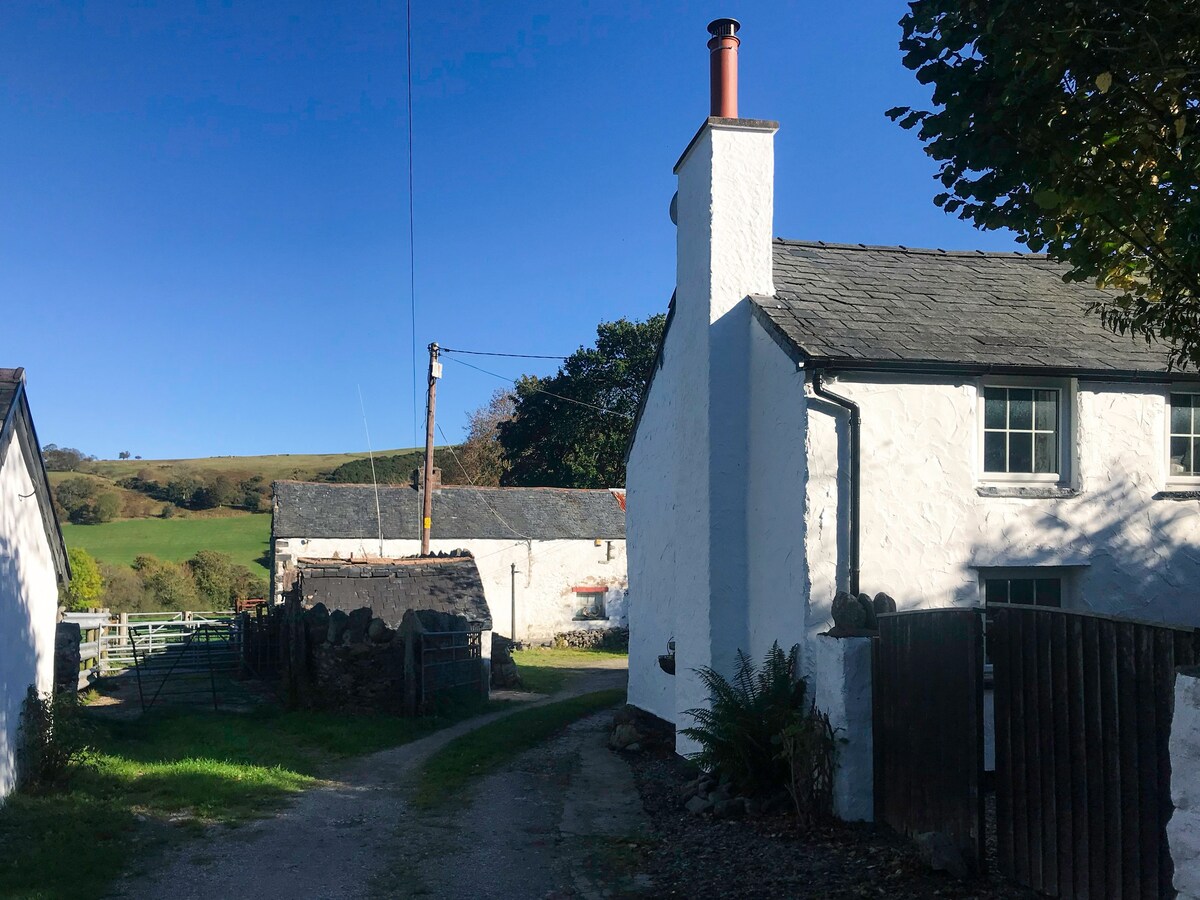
(449, 662)
(928, 724)
(1083, 710)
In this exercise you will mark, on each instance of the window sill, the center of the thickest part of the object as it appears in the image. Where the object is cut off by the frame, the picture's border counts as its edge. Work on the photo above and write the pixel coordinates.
(1178, 494)
(1028, 491)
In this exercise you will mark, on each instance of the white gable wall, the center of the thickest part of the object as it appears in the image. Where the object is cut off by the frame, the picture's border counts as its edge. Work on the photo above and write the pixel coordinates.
(925, 530)
(547, 571)
(28, 604)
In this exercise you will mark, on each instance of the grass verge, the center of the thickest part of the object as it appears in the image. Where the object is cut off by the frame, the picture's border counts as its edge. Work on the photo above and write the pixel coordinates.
(545, 671)
(471, 756)
(161, 777)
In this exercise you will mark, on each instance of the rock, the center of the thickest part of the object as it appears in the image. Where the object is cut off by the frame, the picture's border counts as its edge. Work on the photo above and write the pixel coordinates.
(378, 632)
(883, 603)
(940, 853)
(721, 794)
(623, 735)
(356, 625)
(505, 674)
(847, 611)
(689, 789)
(635, 747)
(337, 626)
(755, 806)
(868, 612)
(733, 808)
(698, 806)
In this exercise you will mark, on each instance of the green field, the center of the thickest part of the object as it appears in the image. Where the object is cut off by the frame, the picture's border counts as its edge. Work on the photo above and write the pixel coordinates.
(298, 466)
(243, 537)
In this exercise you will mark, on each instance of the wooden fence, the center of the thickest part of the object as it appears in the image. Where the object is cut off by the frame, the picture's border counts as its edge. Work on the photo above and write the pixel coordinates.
(1083, 720)
(928, 724)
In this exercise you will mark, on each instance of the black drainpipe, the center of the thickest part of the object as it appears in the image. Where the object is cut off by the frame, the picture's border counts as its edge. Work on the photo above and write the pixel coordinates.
(855, 470)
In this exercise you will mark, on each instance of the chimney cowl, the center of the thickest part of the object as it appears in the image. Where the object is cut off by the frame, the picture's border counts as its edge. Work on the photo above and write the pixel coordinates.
(723, 67)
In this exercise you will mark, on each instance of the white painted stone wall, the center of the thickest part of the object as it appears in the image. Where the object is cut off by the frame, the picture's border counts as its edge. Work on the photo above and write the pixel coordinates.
(546, 573)
(28, 604)
(1183, 829)
(688, 473)
(926, 532)
(842, 690)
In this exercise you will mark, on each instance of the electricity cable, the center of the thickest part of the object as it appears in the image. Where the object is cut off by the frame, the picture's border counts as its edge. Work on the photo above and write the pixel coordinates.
(611, 412)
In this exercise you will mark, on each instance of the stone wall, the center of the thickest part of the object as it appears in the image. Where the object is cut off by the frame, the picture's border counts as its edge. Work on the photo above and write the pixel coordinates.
(67, 637)
(607, 639)
(1183, 829)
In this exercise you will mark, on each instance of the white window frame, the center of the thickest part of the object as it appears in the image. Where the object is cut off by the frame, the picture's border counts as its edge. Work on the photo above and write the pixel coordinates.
(1066, 388)
(1172, 478)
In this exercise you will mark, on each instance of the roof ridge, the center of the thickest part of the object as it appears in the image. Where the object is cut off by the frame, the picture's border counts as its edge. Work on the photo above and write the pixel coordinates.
(469, 487)
(912, 251)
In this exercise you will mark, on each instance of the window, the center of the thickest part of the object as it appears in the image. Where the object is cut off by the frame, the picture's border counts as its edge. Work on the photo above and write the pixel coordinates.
(591, 601)
(1026, 591)
(1022, 431)
(1185, 436)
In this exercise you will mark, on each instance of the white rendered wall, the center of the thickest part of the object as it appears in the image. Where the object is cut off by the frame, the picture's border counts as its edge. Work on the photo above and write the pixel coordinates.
(926, 532)
(688, 473)
(28, 604)
(546, 573)
(1183, 829)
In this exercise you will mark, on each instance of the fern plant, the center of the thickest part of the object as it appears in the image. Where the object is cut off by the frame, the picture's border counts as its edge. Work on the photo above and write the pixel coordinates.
(740, 732)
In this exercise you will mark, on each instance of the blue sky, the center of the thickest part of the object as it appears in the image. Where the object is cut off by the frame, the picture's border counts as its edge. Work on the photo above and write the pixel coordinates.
(204, 239)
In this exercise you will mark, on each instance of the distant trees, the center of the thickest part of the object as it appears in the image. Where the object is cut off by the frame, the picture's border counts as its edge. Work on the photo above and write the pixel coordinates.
(84, 502)
(571, 429)
(203, 489)
(398, 468)
(63, 459)
(124, 454)
(209, 580)
(481, 454)
(86, 585)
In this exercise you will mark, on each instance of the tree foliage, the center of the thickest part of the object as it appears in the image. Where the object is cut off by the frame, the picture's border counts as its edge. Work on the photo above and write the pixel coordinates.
(397, 468)
(63, 459)
(571, 429)
(86, 585)
(84, 503)
(481, 455)
(1076, 125)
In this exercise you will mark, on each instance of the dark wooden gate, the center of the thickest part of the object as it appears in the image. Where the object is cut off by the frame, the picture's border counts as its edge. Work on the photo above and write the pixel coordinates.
(928, 724)
(1083, 776)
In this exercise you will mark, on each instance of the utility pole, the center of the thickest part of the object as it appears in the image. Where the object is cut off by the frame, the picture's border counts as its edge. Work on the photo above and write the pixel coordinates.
(514, 603)
(435, 372)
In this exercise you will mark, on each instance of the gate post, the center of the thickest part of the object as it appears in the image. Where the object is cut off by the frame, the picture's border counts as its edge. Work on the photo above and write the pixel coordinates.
(842, 690)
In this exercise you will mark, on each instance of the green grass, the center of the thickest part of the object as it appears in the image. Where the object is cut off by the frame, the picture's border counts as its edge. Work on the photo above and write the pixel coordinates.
(545, 671)
(185, 768)
(449, 771)
(301, 466)
(243, 537)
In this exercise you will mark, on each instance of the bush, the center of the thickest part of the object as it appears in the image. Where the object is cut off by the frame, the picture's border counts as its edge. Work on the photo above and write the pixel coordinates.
(169, 585)
(762, 734)
(86, 585)
(54, 740)
(123, 589)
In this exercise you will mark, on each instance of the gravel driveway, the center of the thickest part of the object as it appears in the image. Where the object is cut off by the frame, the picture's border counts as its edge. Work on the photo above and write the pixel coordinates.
(355, 835)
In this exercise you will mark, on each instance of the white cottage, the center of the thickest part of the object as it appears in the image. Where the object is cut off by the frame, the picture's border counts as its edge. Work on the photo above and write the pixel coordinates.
(556, 556)
(951, 428)
(33, 562)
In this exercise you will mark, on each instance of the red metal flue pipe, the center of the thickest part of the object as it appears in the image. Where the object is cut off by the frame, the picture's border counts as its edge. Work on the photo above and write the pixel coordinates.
(723, 67)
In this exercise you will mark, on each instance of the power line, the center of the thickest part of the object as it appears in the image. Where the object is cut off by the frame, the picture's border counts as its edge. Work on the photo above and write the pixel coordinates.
(611, 412)
(412, 252)
(510, 355)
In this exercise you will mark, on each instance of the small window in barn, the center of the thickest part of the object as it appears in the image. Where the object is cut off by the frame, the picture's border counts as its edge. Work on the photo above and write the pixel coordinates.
(1028, 590)
(590, 602)
(1184, 448)
(1023, 432)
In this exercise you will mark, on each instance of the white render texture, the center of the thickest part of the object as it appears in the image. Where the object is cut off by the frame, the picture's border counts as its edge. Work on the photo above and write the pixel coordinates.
(927, 534)
(688, 467)
(1183, 829)
(842, 681)
(547, 572)
(28, 604)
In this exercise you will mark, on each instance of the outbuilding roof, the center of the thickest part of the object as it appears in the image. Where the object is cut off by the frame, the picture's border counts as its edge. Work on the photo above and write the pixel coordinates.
(856, 306)
(460, 512)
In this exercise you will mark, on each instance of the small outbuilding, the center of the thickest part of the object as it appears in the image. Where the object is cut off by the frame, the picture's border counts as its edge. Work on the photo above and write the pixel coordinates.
(33, 563)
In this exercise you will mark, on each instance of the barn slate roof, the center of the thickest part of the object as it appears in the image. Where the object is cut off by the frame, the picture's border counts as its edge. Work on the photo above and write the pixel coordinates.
(855, 306)
(460, 512)
(390, 588)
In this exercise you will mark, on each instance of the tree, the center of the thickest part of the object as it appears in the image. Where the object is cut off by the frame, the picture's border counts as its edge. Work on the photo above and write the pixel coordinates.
(75, 493)
(481, 454)
(124, 454)
(571, 429)
(1076, 125)
(123, 590)
(63, 459)
(212, 573)
(167, 584)
(86, 585)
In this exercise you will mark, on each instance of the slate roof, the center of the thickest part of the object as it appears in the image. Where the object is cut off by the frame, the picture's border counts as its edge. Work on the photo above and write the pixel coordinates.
(855, 306)
(460, 512)
(390, 588)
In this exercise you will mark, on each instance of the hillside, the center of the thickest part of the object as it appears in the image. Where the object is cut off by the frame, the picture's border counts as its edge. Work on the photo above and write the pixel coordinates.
(243, 537)
(298, 466)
